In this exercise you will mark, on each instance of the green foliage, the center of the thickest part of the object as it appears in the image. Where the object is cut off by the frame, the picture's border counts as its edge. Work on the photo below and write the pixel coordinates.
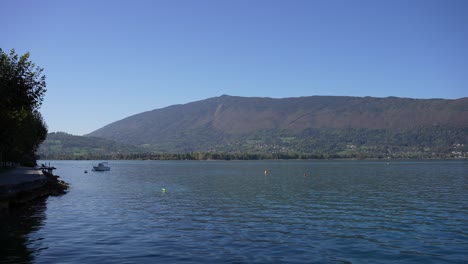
(325, 143)
(22, 89)
(61, 145)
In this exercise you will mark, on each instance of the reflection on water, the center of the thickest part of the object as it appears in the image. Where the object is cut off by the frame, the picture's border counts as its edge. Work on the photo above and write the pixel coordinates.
(16, 225)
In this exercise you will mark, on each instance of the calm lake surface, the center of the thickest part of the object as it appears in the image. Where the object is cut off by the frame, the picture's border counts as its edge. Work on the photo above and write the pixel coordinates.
(231, 212)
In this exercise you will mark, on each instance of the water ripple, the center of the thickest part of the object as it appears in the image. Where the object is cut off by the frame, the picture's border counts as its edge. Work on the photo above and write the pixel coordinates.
(230, 212)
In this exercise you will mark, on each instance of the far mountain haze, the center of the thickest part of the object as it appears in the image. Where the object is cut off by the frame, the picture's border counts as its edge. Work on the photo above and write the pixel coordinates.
(331, 124)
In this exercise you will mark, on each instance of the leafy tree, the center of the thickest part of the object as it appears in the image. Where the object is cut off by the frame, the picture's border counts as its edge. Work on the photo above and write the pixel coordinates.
(22, 90)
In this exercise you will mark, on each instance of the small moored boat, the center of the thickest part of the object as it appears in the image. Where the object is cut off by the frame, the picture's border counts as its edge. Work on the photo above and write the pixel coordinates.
(102, 166)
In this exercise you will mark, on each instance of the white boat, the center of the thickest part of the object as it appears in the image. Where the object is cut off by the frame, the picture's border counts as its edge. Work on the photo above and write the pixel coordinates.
(102, 166)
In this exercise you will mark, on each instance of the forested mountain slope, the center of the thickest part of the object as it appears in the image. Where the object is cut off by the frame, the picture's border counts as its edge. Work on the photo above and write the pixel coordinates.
(315, 124)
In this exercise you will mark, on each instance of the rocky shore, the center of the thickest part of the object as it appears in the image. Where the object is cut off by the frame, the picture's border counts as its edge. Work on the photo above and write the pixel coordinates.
(22, 184)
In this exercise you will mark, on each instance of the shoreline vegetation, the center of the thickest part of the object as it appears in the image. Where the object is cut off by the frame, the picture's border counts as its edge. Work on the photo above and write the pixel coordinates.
(22, 130)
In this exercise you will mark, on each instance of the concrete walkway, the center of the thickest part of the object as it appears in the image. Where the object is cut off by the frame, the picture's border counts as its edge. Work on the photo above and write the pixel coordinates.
(18, 181)
(20, 175)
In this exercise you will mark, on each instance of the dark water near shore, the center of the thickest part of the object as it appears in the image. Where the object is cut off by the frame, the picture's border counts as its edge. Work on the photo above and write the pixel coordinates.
(231, 212)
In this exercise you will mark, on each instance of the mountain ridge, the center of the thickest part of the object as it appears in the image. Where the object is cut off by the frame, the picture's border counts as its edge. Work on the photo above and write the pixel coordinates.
(226, 117)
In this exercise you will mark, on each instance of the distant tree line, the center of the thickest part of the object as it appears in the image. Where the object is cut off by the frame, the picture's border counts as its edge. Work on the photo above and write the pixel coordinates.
(182, 156)
(415, 154)
(22, 90)
(434, 142)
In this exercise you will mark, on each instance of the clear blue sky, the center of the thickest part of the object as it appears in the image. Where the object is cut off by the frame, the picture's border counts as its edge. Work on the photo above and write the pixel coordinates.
(106, 60)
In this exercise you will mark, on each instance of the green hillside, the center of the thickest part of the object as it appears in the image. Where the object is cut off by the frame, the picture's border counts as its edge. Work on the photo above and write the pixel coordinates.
(324, 126)
(61, 145)
(229, 127)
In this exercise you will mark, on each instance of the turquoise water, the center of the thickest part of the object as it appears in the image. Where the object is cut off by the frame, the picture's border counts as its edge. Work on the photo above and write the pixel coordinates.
(231, 212)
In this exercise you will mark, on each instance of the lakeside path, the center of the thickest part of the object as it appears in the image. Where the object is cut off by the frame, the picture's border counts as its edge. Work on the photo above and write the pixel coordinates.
(20, 175)
(20, 185)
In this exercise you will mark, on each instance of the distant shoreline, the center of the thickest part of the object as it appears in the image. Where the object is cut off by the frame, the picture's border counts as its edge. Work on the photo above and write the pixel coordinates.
(305, 159)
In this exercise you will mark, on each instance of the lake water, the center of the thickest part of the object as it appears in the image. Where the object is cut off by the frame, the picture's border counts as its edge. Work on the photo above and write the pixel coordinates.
(232, 212)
